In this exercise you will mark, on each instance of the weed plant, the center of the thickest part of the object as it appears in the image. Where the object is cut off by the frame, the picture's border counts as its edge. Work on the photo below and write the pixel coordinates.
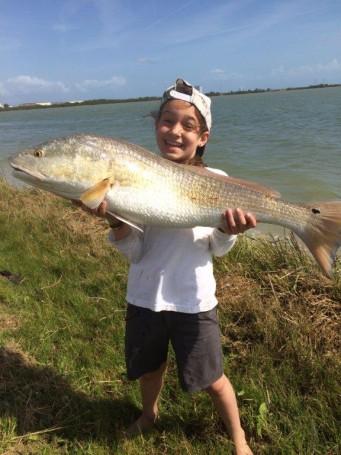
(63, 388)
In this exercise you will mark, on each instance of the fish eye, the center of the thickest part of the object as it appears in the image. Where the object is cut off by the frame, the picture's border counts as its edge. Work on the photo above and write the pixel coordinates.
(38, 153)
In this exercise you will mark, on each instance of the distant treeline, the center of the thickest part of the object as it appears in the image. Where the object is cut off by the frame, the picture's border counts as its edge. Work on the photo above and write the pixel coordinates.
(6, 107)
(261, 90)
(76, 103)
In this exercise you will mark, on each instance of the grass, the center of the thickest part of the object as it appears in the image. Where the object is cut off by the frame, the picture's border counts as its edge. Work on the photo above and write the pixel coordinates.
(63, 388)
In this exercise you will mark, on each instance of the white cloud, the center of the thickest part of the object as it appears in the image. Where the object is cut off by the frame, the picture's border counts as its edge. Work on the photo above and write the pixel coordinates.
(218, 71)
(219, 74)
(62, 28)
(145, 61)
(333, 65)
(30, 85)
(278, 71)
(114, 82)
(9, 44)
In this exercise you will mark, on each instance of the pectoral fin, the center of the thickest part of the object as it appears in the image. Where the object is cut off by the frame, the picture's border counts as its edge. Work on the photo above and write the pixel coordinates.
(96, 194)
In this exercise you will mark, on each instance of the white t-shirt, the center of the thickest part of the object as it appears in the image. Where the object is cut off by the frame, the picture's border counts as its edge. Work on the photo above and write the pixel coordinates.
(171, 269)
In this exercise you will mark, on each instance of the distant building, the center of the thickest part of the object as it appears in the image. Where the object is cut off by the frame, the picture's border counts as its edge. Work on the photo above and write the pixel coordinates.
(35, 104)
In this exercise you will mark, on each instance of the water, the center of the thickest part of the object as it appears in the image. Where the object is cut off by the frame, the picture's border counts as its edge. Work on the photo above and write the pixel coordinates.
(288, 140)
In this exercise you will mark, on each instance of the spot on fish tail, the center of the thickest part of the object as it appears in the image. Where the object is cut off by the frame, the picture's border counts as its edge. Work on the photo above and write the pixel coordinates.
(316, 211)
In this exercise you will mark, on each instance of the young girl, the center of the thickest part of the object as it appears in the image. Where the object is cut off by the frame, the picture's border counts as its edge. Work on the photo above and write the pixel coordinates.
(171, 287)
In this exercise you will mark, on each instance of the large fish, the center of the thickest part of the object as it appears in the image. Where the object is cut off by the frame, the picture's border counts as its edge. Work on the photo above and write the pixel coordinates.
(143, 188)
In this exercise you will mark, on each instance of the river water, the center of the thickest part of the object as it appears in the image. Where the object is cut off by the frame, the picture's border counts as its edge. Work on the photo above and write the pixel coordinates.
(288, 140)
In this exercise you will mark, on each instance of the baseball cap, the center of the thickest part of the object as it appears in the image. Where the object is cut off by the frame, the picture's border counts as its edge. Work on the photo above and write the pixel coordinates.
(182, 90)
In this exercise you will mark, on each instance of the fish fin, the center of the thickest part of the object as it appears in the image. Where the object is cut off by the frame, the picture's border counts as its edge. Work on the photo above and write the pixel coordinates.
(241, 182)
(96, 194)
(323, 235)
(126, 221)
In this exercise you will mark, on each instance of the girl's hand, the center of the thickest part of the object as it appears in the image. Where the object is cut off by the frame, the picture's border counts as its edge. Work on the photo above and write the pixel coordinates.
(236, 222)
(100, 211)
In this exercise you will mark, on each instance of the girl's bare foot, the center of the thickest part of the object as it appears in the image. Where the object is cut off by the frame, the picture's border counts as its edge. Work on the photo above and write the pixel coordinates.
(242, 448)
(141, 426)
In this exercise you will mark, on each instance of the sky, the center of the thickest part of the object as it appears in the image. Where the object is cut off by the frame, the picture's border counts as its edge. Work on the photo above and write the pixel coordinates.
(73, 50)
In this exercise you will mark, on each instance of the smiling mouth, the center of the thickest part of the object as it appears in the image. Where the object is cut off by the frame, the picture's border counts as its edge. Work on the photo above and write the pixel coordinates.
(174, 144)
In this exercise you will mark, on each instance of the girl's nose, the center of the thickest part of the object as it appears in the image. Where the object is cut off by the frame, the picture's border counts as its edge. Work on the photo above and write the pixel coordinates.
(176, 129)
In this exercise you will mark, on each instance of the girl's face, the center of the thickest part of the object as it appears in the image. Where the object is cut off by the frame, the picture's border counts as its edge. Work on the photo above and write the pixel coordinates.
(178, 131)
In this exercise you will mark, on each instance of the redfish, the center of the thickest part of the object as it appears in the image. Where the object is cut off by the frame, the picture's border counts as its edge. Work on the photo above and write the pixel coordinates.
(143, 188)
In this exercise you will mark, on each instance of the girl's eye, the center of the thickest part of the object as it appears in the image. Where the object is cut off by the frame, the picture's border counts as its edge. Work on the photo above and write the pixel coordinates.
(166, 121)
(189, 127)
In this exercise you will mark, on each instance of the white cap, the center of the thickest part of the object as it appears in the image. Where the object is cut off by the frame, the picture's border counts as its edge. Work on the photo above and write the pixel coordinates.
(182, 90)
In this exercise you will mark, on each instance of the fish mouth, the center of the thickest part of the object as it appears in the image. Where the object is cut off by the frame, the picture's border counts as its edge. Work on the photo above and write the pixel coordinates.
(20, 172)
(35, 178)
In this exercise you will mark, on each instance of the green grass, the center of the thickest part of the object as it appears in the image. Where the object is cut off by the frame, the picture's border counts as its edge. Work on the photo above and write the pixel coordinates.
(63, 388)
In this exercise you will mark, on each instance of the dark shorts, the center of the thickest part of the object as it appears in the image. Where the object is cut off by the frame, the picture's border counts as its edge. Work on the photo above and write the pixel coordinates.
(195, 339)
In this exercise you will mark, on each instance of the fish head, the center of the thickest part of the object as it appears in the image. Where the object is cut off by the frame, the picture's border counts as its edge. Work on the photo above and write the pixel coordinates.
(65, 166)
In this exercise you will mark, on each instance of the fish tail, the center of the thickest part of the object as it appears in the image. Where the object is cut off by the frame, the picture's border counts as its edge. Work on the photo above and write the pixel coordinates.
(323, 233)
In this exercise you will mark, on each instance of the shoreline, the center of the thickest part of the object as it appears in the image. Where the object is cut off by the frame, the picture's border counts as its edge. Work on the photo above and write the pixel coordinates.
(92, 102)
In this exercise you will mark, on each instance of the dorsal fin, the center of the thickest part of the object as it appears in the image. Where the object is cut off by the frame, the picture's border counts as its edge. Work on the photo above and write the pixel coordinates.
(256, 186)
(241, 182)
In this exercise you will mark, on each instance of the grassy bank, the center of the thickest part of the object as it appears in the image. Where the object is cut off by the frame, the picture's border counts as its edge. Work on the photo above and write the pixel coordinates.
(63, 388)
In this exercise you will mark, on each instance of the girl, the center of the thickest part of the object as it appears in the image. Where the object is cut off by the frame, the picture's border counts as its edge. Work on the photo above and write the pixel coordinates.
(171, 287)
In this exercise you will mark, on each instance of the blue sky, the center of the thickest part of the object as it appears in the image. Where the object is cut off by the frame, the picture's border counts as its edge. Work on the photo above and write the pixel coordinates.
(59, 50)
